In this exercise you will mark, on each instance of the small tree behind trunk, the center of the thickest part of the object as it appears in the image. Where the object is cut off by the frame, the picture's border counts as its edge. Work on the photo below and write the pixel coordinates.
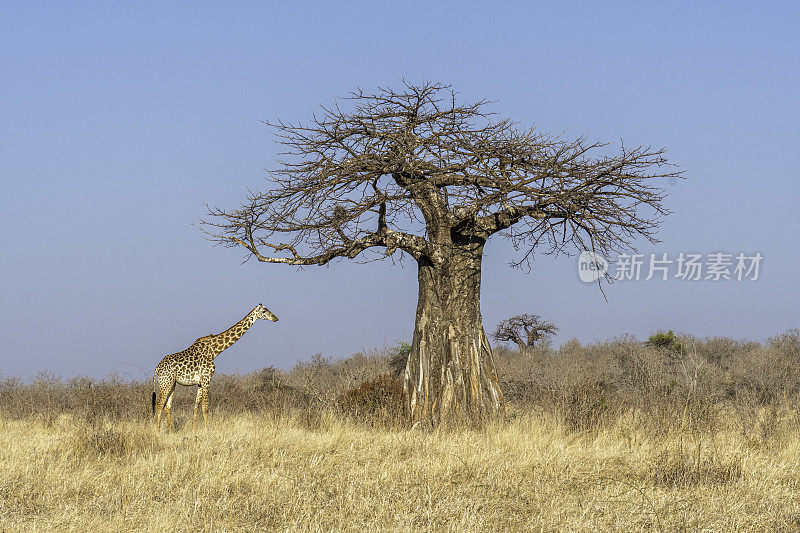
(531, 327)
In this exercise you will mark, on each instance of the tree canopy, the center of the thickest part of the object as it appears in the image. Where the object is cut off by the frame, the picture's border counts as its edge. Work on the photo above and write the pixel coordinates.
(414, 168)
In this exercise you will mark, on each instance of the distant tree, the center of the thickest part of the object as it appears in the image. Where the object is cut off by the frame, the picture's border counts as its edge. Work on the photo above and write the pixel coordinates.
(524, 330)
(416, 170)
(666, 340)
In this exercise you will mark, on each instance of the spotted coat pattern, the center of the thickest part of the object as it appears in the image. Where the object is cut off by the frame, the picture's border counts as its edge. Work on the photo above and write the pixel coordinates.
(195, 366)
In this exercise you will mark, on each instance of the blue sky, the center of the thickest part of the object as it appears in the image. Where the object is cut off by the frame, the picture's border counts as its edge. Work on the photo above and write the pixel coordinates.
(120, 122)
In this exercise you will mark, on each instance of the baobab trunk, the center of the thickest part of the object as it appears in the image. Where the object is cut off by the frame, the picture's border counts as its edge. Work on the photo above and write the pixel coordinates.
(523, 348)
(450, 376)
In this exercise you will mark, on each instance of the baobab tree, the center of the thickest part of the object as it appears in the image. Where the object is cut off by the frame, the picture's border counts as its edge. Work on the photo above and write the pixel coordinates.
(417, 171)
(525, 330)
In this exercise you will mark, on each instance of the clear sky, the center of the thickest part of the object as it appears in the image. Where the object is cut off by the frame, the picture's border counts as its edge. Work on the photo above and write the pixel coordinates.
(118, 123)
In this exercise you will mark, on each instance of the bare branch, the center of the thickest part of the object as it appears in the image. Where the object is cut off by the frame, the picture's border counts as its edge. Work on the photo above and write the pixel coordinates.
(418, 171)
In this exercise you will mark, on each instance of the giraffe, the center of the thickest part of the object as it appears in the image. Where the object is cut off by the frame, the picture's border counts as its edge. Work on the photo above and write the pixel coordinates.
(195, 366)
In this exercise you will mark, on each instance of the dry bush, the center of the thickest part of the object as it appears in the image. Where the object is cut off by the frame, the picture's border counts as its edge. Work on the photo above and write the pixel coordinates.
(265, 390)
(718, 351)
(671, 389)
(586, 386)
(48, 396)
(770, 373)
(585, 406)
(378, 401)
(324, 379)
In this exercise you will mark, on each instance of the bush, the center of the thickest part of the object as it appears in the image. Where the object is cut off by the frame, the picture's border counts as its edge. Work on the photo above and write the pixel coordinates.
(398, 358)
(380, 398)
(666, 340)
(585, 385)
(585, 406)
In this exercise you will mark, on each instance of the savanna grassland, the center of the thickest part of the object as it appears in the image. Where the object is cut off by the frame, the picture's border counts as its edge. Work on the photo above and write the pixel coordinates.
(697, 434)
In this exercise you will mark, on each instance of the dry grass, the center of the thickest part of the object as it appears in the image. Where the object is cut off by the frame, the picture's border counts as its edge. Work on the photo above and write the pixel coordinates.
(614, 436)
(260, 472)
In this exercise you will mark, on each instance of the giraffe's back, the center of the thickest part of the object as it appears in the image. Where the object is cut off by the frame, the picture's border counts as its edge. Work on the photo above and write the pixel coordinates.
(187, 367)
(169, 363)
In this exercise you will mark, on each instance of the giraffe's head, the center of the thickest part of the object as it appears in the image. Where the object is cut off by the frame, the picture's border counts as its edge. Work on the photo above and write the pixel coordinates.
(266, 314)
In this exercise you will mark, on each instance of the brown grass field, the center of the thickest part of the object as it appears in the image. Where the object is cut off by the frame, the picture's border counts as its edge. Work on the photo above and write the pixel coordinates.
(708, 441)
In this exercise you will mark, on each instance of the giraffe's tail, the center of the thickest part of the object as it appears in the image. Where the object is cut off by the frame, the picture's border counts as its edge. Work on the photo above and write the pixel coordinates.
(154, 396)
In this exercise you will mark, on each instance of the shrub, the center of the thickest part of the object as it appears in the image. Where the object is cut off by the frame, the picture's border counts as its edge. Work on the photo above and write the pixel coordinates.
(378, 398)
(585, 406)
(584, 385)
(398, 358)
(666, 340)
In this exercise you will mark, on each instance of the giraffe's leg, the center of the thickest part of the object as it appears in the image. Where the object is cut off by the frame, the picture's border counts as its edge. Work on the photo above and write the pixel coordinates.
(164, 393)
(205, 405)
(168, 407)
(197, 404)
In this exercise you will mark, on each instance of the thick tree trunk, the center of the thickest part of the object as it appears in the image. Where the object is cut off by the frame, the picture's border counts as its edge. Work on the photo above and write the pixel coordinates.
(532, 338)
(450, 376)
(523, 348)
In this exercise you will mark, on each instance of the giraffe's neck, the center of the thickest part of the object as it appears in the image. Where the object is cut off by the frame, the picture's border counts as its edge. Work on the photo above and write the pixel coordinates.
(224, 340)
